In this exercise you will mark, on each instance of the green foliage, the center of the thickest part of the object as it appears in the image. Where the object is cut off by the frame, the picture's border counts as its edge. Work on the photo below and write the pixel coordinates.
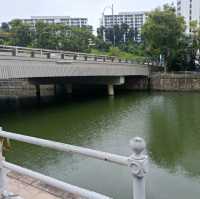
(162, 33)
(101, 45)
(125, 46)
(122, 34)
(186, 53)
(49, 36)
(114, 51)
(5, 27)
(194, 38)
(58, 36)
(22, 33)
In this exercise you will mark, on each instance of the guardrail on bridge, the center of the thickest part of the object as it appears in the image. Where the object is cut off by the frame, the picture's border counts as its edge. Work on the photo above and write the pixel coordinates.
(48, 54)
(137, 162)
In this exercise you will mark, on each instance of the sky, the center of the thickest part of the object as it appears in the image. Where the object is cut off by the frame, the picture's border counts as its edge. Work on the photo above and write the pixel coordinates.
(91, 9)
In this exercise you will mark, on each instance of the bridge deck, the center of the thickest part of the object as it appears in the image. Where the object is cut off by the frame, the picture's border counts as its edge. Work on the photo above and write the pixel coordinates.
(26, 67)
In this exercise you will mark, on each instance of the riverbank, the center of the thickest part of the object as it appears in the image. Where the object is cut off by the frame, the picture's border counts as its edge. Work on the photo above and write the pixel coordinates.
(22, 88)
(30, 188)
(175, 82)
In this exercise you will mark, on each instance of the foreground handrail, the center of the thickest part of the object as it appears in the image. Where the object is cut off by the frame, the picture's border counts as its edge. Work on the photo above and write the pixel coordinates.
(138, 162)
(55, 183)
(67, 148)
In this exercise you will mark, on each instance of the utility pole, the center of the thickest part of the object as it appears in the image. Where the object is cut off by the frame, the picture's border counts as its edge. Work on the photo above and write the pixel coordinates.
(103, 26)
(113, 25)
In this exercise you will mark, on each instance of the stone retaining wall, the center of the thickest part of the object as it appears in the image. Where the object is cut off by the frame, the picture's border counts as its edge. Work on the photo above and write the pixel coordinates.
(22, 88)
(175, 82)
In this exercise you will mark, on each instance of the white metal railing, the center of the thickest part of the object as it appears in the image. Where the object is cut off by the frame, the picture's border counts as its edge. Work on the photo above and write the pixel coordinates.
(138, 162)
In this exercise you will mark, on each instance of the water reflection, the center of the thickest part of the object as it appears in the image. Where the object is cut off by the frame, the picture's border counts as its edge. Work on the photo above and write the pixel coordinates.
(174, 139)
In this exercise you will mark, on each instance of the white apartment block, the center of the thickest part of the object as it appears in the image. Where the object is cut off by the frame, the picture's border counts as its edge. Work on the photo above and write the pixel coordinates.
(190, 10)
(134, 20)
(66, 20)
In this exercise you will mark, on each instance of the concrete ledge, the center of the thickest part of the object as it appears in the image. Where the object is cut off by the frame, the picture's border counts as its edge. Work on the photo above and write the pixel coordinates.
(30, 188)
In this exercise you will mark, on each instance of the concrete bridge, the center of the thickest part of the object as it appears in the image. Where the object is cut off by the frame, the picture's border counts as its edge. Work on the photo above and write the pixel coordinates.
(41, 66)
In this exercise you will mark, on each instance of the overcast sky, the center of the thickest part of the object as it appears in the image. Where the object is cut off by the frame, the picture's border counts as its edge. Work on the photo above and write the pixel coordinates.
(92, 9)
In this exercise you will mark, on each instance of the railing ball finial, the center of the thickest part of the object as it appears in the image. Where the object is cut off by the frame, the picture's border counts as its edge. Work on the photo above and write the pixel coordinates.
(138, 145)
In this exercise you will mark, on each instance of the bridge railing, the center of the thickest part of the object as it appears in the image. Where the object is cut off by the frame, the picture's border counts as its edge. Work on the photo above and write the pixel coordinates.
(33, 52)
(59, 54)
(137, 162)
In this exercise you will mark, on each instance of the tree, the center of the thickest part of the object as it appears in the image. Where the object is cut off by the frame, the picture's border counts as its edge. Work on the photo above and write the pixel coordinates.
(23, 33)
(5, 27)
(47, 35)
(195, 39)
(123, 34)
(79, 39)
(162, 33)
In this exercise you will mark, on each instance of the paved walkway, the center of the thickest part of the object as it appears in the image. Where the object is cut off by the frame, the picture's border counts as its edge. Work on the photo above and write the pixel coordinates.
(29, 188)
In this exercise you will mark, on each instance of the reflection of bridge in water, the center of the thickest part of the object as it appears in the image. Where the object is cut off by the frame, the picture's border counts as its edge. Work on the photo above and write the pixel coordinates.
(41, 67)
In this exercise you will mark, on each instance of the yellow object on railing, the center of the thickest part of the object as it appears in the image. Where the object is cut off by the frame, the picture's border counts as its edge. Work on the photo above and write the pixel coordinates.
(5, 142)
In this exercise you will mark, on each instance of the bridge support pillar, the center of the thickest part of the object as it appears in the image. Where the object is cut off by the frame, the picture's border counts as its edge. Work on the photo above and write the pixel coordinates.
(55, 90)
(111, 91)
(69, 89)
(37, 91)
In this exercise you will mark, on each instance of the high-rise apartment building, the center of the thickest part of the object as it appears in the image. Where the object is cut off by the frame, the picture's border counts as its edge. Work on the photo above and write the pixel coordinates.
(190, 10)
(134, 20)
(76, 22)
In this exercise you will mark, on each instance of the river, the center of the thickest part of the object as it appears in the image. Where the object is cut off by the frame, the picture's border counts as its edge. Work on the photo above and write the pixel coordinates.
(169, 122)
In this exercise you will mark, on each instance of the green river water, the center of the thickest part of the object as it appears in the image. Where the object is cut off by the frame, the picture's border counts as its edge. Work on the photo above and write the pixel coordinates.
(169, 122)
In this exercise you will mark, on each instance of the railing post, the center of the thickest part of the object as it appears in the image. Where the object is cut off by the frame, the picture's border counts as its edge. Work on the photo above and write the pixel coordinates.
(14, 52)
(48, 55)
(138, 163)
(32, 54)
(62, 56)
(3, 182)
(3, 176)
(75, 57)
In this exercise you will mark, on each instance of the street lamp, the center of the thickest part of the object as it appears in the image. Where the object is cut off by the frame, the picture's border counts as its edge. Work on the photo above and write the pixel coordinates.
(113, 23)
